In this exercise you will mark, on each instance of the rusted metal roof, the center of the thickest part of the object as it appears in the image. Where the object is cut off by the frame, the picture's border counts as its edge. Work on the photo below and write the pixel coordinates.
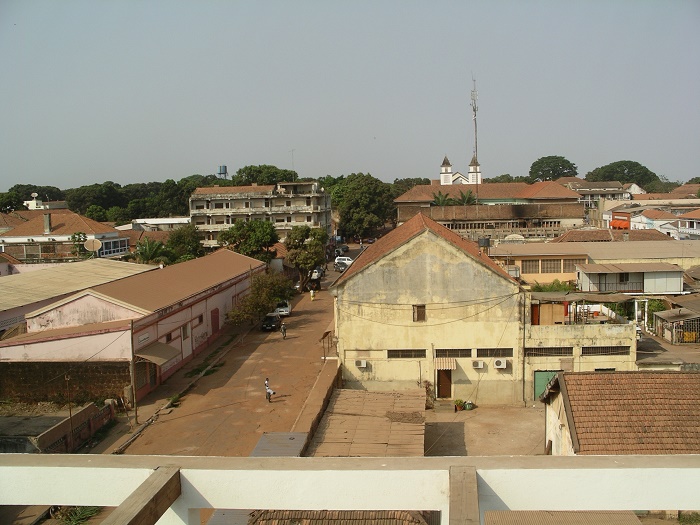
(550, 517)
(630, 268)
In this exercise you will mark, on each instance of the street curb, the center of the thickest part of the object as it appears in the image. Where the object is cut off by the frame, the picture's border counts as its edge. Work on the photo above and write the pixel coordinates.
(230, 344)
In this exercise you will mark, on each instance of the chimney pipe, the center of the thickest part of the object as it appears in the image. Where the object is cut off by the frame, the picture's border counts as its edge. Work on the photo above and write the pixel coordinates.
(47, 223)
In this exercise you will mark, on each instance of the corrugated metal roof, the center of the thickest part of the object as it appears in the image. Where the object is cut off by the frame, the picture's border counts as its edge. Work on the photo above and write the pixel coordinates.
(445, 363)
(32, 287)
(552, 517)
(677, 314)
(630, 268)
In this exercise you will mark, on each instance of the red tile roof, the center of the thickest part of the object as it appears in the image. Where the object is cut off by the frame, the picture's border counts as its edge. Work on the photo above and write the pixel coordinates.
(137, 235)
(632, 412)
(492, 191)
(659, 214)
(158, 289)
(661, 196)
(695, 214)
(687, 189)
(409, 230)
(8, 258)
(65, 223)
(605, 235)
(8, 221)
(212, 190)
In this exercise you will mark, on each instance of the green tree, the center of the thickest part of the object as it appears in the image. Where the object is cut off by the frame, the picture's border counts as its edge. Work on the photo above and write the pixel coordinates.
(506, 177)
(623, 171)
(266, 290)
(464, 199)
(263, 175)
(149, 251)
(44, 193)
(184, 243)
(663, 185)
(107, 194)
(78, 239)
(552, 168)
(10, 202)
(118, 215)
(96, 213)
(253, 238)
(364, 204)
(441, 199)
(306, 249)
(555, 286)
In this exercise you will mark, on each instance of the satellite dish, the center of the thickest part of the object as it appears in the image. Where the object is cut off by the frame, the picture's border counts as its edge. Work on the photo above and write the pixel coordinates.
(92, 245)
(35, 195)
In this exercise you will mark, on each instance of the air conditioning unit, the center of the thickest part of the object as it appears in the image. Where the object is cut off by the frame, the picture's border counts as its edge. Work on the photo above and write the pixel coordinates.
(500, 363)
(477, 364)
(361, 363)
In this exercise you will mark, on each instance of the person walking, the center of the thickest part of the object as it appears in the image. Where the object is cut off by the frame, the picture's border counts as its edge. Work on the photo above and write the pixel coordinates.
(268, 391)
(283, 329)
(313, 294)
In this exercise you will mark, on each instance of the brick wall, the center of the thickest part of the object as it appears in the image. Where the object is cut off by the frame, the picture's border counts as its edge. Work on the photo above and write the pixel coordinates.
(34, 382)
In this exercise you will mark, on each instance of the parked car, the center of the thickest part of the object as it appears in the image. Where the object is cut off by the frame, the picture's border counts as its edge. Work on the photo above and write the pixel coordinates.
(371, 241)
(340, 267)
(346, 260)
(284, 309)
(345, 248)
(271, 322)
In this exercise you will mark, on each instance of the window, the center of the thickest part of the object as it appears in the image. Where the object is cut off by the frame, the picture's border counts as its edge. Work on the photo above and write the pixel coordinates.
(246, 204)
(405, 354)
(570, 264)
(605, 350)
(218, 205)
(624, 277)
(549, 351)
(308, 201)
(288, 203)
(185, 330)
(494, 352)
(289, 219)
(267, 203)
(453, 352)
(551, 265)
(308, 218)
(530, 266)
(168, 338)
(418, 313)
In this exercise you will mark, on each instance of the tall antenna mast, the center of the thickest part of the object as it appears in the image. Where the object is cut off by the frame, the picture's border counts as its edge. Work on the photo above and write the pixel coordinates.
(475, 95)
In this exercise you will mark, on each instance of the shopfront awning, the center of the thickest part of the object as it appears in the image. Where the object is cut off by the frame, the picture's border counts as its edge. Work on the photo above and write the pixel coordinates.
(618, 224)
(445, 363)
(158, 353)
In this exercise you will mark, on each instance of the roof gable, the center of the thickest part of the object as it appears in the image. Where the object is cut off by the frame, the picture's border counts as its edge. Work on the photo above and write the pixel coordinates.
(409, 230)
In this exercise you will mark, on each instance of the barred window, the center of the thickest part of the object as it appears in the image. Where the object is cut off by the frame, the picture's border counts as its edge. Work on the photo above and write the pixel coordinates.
(418, 313)
(405, 354)
(551, 265)
(570, 264)
(549, 351)
(494, 352)
(624, 277)
(453, 352)
(531, 266)
(605, 350)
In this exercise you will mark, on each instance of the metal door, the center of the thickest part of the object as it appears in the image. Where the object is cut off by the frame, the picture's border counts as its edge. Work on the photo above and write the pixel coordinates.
(444, 383)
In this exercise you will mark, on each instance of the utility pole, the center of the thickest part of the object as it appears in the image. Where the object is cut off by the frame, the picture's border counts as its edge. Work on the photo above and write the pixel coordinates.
(475, 95)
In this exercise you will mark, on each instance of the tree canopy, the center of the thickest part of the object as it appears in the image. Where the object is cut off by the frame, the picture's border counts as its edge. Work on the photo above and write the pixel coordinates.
(552, 168)
(623, 171)
(306, 249)
(253, 238)
(263, 175)
(184, 243)
(149, 251)
(364, 204)
(10, 202)
(266, 289)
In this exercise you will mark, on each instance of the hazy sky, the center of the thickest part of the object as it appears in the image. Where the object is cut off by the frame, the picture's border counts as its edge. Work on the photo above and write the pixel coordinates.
(139, 91)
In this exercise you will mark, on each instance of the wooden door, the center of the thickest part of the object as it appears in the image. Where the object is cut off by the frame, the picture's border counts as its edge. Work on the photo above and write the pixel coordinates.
(444, 383)
(214, 321)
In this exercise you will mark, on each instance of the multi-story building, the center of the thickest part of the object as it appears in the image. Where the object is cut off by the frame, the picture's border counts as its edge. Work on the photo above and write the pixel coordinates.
(286, 204)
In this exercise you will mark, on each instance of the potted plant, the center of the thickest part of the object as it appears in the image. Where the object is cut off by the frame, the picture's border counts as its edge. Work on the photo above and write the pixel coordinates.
(459, 404)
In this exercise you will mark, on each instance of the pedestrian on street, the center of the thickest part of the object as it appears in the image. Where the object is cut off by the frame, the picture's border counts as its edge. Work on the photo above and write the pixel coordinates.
(268, 391)
(313, 294)
(283, 329)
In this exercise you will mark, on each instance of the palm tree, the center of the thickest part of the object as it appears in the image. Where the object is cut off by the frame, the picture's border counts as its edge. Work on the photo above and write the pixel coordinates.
(440, 199)
(465, 199)
(149, 251)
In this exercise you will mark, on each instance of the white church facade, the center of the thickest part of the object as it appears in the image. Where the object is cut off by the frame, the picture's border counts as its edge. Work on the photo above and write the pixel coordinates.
(448, 177)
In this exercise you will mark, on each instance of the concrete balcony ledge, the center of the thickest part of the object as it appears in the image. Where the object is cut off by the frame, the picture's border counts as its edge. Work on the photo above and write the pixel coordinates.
(425, 483)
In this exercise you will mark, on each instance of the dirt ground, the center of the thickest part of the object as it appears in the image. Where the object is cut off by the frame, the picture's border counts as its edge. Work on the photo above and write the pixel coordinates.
(484, 431)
